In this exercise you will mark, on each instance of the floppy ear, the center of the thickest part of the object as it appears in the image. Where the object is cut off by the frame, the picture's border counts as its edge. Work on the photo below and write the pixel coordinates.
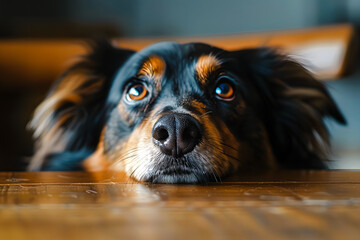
(292, 106)
(71, 118)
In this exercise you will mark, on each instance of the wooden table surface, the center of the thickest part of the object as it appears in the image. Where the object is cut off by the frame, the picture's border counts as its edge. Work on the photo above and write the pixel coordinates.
(270, 205)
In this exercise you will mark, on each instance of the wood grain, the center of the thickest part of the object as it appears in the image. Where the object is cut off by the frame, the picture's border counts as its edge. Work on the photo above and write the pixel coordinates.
(256, 205)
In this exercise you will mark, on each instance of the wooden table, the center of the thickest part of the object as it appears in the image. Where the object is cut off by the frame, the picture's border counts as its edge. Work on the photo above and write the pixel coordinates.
(268, 205)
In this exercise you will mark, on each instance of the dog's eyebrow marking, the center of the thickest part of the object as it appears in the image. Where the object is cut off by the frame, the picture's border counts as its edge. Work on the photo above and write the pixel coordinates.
(205, 65)
(154, 68)
(199, 106)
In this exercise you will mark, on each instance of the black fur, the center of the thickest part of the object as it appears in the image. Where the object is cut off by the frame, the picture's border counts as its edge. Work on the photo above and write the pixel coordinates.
(280, 95)
(294, 124)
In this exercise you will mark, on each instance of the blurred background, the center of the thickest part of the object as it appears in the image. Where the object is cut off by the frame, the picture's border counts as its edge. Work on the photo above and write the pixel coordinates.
(77, 19)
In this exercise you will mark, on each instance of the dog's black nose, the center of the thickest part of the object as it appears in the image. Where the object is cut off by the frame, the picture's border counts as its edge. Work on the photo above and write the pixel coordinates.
(176, 134)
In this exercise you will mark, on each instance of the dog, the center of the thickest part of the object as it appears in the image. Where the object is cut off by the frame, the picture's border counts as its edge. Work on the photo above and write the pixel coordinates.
(183, 113)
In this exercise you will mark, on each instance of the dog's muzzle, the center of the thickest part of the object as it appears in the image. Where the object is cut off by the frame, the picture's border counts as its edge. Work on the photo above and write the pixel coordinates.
(176, 134)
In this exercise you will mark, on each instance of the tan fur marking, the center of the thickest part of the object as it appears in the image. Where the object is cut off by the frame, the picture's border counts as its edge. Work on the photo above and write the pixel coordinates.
(51, 137)
(154, 68)
(199, 106)
(205, 65)
(50, 141)
(65, 92)
(97, 161)
(139, 145)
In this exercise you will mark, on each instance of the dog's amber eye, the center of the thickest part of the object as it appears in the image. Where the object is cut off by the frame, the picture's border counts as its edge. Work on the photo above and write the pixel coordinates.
(137, 92)
(224, 91)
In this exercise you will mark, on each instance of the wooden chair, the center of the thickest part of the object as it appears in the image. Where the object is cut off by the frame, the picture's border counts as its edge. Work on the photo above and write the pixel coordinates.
(327, 51)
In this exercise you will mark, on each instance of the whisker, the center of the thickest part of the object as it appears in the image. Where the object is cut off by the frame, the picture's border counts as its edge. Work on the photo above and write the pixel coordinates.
(206, 113)
(222, 143)
(222, 150)
(211, 166)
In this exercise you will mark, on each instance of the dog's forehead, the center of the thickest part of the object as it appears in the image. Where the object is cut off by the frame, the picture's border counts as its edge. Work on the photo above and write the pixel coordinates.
(181, 59)
(180, 66)
(174, 57)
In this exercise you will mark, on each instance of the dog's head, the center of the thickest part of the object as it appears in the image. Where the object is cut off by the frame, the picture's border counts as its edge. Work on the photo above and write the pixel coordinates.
(186, 113)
